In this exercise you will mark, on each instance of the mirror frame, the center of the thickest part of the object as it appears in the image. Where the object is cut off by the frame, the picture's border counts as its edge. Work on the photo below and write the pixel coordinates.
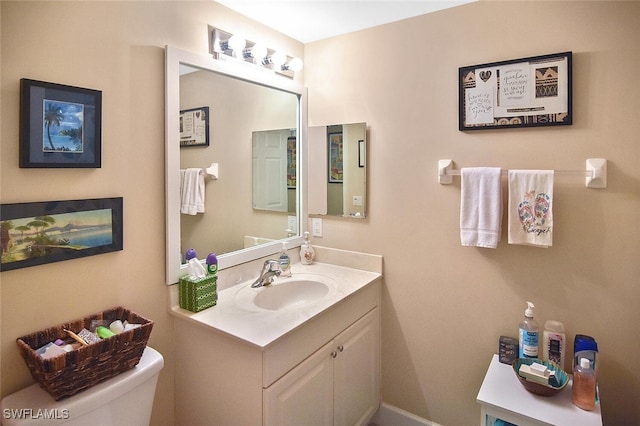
(173, 58)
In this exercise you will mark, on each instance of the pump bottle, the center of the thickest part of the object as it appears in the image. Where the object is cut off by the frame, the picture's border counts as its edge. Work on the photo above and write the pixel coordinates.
(307, 253)
(285, 262)
(529, 333)
(584, 385)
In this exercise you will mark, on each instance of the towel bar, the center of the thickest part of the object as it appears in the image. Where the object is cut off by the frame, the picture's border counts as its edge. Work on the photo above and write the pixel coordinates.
(595, 172)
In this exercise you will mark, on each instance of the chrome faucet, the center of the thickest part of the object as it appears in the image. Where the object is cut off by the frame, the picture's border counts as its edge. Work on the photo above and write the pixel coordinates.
(270, 270)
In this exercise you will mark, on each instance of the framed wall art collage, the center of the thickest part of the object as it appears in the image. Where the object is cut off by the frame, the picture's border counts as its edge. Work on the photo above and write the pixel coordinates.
(527, 92)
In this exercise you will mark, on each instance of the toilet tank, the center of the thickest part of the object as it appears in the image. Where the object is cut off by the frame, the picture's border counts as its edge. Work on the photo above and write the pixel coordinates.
(126, 399)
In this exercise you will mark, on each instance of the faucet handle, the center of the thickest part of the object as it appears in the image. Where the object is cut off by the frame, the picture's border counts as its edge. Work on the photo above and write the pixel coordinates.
(271, 265)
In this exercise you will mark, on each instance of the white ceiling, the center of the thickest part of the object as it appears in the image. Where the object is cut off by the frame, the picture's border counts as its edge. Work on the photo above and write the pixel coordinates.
(311, 20)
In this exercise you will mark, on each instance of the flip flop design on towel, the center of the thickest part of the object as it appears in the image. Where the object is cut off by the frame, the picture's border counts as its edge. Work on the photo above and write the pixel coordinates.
(541, 208)
(525, 214)
(536, 214)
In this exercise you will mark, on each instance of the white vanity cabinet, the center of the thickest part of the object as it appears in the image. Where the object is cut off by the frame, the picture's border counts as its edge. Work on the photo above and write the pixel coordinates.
(325, 371)
(337, 385)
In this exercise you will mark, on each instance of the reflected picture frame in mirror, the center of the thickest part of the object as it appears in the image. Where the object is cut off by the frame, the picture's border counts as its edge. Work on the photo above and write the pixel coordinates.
(174, 58)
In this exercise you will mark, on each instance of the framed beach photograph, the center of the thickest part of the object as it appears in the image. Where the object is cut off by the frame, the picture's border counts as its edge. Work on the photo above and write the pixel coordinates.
(526, 92)
(52, 231)
(335, 158)
(60, 126)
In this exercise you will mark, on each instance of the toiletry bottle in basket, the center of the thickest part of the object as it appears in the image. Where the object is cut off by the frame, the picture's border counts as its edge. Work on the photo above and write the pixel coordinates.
(528, 335)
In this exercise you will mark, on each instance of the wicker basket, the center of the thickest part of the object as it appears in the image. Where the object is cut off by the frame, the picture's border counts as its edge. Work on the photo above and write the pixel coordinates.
(65, 375)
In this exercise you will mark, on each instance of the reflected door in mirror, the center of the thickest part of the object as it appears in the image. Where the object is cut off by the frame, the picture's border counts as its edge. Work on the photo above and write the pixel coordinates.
(273, 172)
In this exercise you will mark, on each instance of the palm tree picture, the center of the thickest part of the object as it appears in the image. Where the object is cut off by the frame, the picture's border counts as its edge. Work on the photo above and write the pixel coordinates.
(63, 124)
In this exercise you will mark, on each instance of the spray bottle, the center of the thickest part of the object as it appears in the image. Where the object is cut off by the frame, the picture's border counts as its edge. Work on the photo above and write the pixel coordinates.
(528, 334)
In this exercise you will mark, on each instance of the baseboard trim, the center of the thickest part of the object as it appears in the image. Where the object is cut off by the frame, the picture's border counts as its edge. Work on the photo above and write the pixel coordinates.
(388, 415)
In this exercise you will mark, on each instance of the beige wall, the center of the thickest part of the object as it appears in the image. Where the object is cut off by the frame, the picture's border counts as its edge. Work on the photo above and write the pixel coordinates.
(116, 47)
(445, 306)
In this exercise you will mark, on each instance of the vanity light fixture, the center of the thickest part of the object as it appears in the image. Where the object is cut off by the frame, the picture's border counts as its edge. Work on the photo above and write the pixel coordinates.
(227, 46)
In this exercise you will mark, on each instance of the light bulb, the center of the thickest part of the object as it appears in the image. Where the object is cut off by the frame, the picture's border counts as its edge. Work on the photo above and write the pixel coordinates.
(258, 52)
(235, 43)
(295, 64)
(278, 59)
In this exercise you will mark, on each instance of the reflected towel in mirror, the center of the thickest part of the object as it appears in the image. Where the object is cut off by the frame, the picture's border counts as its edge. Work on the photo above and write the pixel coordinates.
(191, 191)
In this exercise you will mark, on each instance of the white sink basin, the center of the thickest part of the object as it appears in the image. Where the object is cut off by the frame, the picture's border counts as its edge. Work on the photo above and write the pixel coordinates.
(286, 293)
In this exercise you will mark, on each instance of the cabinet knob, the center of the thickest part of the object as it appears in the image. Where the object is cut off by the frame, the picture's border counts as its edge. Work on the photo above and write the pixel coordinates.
(341, 348)
(334, 354)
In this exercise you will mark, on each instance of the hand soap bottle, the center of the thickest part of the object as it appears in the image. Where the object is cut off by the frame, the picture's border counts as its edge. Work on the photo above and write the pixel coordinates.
(285, 262)
(528, 334)
(306, 251)
(584, 385)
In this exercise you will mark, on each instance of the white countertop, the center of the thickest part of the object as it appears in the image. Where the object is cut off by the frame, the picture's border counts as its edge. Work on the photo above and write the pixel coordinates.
(502, 390)
(261, 327)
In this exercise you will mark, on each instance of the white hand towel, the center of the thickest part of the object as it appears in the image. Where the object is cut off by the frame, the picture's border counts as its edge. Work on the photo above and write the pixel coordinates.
(531, 207)
(480, 206)
(191, 191)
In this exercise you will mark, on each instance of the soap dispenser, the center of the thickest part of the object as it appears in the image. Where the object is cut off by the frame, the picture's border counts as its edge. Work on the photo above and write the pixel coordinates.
(528, 335)
(306, 251)
(285, 262)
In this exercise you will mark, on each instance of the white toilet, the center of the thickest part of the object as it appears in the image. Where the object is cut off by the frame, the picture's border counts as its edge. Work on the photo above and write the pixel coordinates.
(126, 399)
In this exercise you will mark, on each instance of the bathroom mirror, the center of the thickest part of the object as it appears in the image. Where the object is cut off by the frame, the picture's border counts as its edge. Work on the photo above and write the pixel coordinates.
(240, 100)
(338, 170)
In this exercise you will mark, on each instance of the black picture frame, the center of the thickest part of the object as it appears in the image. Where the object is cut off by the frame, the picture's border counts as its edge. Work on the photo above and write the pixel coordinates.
(527, 92)
(194, 127)
(53, 231)
(334, 149)
(292, 173)
(60, 126)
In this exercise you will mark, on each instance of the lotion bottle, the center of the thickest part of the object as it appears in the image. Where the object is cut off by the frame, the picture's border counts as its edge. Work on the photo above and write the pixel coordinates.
(306, 251)
(584, 385)
(529, 333)
(553, 343)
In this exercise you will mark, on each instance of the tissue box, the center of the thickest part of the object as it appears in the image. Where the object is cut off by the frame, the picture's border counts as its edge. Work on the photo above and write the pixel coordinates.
(198, 294)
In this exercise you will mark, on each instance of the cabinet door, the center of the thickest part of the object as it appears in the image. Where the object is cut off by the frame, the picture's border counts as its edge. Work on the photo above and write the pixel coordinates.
(304, 396)
(357, 371)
